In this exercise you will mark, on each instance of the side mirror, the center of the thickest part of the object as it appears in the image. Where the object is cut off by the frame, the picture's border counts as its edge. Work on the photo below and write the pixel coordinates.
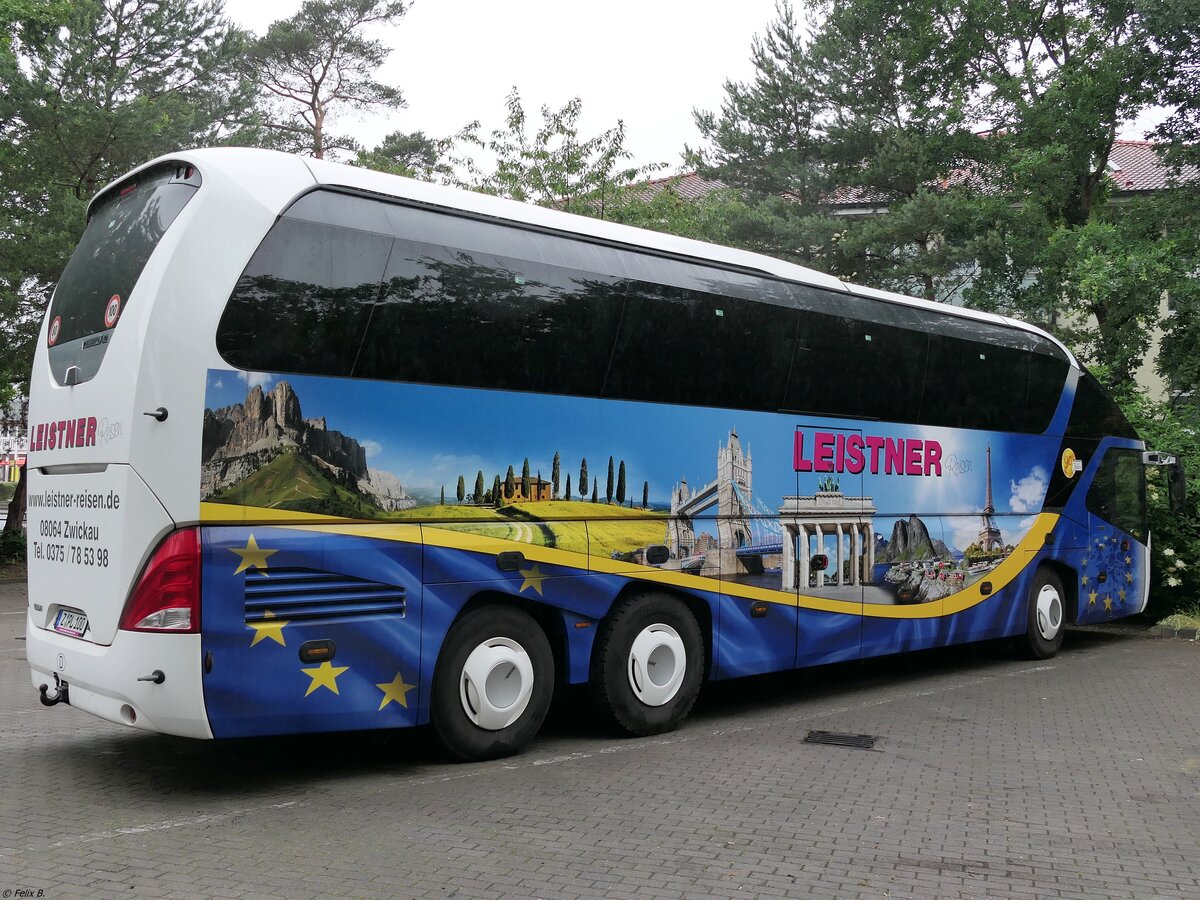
(1177, 488)
(819, 562)
(657, 555)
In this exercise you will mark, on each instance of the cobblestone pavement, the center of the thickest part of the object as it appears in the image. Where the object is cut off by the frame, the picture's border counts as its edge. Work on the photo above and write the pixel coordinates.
(1077, 777)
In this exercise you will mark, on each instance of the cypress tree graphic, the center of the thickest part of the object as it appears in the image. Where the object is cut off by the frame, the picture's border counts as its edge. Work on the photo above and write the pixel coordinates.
(645, 494)
(496, 491)
(462, 488)
(583, 479)
(594, 497)
(568, 494)
(609, 488)
(442, 501)
(525, 479)
(554, 475)
(479, 487)
(510, 484)
(621, 483)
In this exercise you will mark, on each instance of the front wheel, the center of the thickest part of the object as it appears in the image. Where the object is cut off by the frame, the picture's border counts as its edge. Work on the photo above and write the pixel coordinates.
(493, 683)
(1045, 617)
(648, 664)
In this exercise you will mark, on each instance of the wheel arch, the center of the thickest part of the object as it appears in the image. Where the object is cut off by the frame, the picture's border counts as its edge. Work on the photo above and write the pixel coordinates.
(700, 610)
(1070, 584)
(548, 618)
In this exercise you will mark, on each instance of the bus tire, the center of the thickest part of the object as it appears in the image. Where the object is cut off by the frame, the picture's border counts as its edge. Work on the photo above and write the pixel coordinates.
(648, 664)
(1045, 616)
(493, 683)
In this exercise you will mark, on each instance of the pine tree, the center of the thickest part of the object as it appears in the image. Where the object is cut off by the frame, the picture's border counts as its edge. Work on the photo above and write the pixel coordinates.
(554, 476)
(479, 487)
(609, 488)
(462, 488)
(621, 483)
(583, 479)
(567, 496)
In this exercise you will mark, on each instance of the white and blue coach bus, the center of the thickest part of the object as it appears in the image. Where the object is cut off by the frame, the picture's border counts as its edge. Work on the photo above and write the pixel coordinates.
(315, 448)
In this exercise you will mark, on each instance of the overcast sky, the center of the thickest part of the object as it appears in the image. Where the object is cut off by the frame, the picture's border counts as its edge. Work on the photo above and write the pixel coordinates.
(648, 62)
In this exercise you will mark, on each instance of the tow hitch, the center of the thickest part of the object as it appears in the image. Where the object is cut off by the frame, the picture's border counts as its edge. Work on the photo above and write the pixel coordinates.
(60, 693)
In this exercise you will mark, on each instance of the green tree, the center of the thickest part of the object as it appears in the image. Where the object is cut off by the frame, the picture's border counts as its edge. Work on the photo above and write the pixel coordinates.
(609, 488)
(555, 474)
(621, 483)
(510, 484)
(411, 154)
(88, 90)
(479, 498)
(496, 491)
(595, 497)
(567, 495)
(583, 478)
(554, 166)
(462, 489)
(319, 62)
(442, 498)
(526, 483)
(645, 495)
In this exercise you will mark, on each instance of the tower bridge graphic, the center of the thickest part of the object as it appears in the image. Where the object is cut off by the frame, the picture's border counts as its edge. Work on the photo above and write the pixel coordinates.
(747, 529)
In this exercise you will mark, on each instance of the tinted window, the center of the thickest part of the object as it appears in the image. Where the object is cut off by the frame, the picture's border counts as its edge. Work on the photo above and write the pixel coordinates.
(683, 346)
(1047, 378)
(471, 318)
(1118, 492)
(1094, 414)
(974, 385)
(303, 303)
(124, 228)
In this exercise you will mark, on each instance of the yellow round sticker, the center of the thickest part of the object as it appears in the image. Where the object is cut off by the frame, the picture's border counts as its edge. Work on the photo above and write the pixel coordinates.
(1068, 462)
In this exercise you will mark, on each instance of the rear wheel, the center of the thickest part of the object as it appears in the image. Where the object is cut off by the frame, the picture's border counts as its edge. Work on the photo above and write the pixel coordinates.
(648, 664)
(493, 683)
(1046, 616)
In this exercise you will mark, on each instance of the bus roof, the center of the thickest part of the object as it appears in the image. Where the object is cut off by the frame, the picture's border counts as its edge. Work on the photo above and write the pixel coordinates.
(235, 162)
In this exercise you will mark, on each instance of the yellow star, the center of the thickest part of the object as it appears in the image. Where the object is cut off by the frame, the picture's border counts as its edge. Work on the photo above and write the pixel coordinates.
(395, 690)
(272, 629)
(1129, 560)
(1129, 578)
(1108, 603)
(252, 556)
(1085, 581)
(324, 675)
(1121, 594)
(533, 578)
(1092, 598)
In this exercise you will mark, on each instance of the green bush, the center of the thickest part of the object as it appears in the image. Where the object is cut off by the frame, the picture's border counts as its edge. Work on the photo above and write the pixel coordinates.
(12, 547)
(1175, 583)
(7, 488)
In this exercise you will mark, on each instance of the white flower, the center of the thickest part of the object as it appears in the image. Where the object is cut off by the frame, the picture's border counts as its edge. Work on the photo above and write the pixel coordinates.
(1172, 581)
(1168, 552)
(1178, 564)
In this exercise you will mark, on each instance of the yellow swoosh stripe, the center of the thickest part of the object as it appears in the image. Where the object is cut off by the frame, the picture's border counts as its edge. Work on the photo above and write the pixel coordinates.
(411, 533)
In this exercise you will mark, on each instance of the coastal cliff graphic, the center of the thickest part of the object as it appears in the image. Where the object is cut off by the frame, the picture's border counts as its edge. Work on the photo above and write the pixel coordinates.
(814, 510)
(264, 453)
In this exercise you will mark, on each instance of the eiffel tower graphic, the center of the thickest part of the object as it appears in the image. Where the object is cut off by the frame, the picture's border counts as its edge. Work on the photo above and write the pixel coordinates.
(989, 534)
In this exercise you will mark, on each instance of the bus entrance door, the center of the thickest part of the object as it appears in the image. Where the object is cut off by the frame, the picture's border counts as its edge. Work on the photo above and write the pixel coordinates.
(830, 541)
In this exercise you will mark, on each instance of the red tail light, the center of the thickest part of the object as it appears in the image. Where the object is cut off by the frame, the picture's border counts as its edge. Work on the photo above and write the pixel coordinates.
(167, 595)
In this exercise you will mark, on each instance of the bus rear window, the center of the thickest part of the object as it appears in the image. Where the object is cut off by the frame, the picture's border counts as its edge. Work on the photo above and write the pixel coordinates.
(123, 229)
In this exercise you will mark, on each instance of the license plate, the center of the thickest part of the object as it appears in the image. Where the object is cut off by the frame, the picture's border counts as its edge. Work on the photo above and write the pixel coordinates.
(72, 623)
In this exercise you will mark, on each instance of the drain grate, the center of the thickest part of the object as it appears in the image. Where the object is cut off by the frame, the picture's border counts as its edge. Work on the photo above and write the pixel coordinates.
(837, 739)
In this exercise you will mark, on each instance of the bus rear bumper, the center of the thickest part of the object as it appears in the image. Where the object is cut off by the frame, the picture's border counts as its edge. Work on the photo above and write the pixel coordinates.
(104, 680)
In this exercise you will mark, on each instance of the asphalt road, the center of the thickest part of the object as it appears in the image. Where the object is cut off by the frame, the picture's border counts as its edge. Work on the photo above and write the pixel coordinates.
(1078, 777)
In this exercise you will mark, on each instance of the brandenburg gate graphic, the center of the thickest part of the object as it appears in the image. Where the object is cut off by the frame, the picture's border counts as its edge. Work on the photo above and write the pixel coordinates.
(828, 514)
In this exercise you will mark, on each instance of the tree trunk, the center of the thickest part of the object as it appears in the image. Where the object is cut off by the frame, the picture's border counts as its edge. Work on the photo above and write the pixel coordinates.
(16, 506)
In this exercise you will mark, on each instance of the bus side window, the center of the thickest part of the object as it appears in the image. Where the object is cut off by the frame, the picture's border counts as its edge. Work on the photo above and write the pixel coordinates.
(304, 301)
(1118, 492)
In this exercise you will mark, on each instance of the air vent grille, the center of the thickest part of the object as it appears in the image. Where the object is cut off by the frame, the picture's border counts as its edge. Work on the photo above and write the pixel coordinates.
(311, 595)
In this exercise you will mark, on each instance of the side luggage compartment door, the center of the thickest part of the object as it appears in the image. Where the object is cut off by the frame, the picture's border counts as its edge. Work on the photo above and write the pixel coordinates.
(311, 628)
